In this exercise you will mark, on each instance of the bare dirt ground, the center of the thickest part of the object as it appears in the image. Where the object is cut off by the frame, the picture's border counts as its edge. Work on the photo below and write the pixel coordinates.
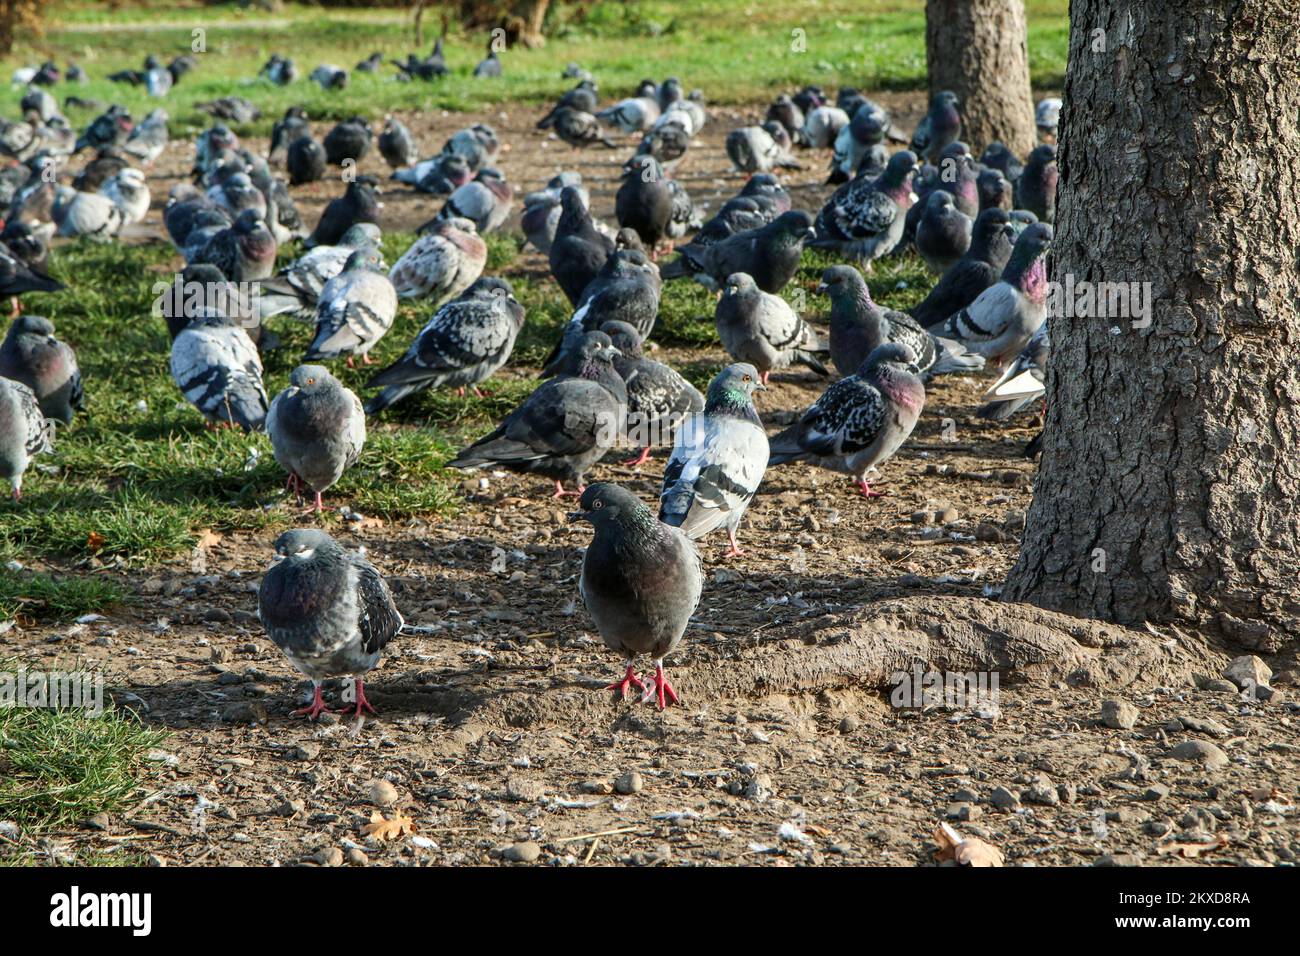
(495, 739)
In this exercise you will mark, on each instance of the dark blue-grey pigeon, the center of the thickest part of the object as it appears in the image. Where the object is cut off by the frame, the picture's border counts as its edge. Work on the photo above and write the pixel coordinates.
(997, 156)
(465, 342)
(440, 176)
(652, 204)
(718, 459)
(317, 429)
(641, 582)
(859, 421)
(330, 611)
(359, 203)
(348, 141)
(562, 428)
(761, 149)
(305, 161)
(981, 266)
(542, 210)
(582, 97)
(244, 251)
(627, 289)
(31, 354)
(658, 398)
(579, 250)
(763, 330)
(943, 232)
(1036, 187)
(769, 254)
(397, 144)
(24, 432)
(939, 127)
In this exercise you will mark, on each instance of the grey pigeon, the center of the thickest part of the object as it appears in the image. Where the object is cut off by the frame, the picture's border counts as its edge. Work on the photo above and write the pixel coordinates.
(579, 128)
(822, 125)
(763, 330)
(24, 432)
(440, 176)
(359, 203)
(18, 278)
(786, 112)
(990, 248)
(658, 398)
(279, 70)
(355, 309)
(293, 125)
(329, 77)
(582, 97)
(31, 354)
(243, 252)
(1047, 117)
(110, 128)
(485, 201)
(760, 149)
(769, 254)
(371, 63)
(149, 138)
(129, 193)
(295, 290)
(718, 459)
(864, 218)
(348, 141)
(1036, 187)
(86, 214)
(761, 200)
(305, 161)
(626, 289)
(562, 428)
(859, 421)
(217, 368)
(943, 233)
(201, 290)
(579, 250)
(489, 66)
(329, 610)
(633, 115)
(862, 139)
(1024, 380)
(396, 144)
(997, 156)
(1002, 319)
(317, 429)
(442, 263)
(994, 190)
(666, 143)
(233, 109)
(651, 204)
(641, 581)
(478, 145)
(858, 325)
(465, 342)
(939, 127)
(542, 210)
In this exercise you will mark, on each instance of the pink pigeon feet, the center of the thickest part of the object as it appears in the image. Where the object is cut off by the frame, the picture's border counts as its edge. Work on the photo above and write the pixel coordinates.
(661, 689)
(361, 704)
(16, 494)
(640, 459)
(735, 550)
(762, 377)
(313, 710)
(561, 493)
(319, 506)
(867, 491)
(629, 680)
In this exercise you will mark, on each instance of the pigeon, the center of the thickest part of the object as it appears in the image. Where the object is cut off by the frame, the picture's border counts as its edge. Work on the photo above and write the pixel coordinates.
(189, 212)
(440, 176)
(651, 204)
(1023, 381)
(763, 330)
(181, 65)
(864, 218)
(579, 249)
(18, 278)
(217, 368)
(29, 244)
(32, 355)
(1002, 319)
(128, 192)
(478, 145)
(371, 63)
(769, 254)
(994, 190)
(997, 156)
(542, 209)
(485, 201)
(979, 268)
(666, 143)
(288, 128)
(282, 213)
(579, 128)
(359, 203)
(355, 309)
(760, 149)
(658, 398)
(235, 192)
(201, 290)
(859, 421)
(1047, 118)
(943, 232)
(939, 127)
(24, 432)
(330, 611)
(428, 68)
(582, 98)
(562, 428)
(861, 140)
(211, 147)
(822, 125)
(786, 112)
(317, 429)
(305, 161)
(348, 140)
(86, 214)
(295, 289)
(761, 200)
(279, 70)
(243, 252)
(232, 109)
(442, 263)
(955, 174)
(634, 115)
(158, 81)
(110, 128)
(465, 342)
(641, 581)
(718, 459)
(1036, 188)
(329, 77)
(858, 325)
(149, 138)
(396, 144)
(489, 66)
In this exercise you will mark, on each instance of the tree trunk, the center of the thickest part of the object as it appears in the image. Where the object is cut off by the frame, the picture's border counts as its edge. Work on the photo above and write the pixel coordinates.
(1169, 488)
(976, 48)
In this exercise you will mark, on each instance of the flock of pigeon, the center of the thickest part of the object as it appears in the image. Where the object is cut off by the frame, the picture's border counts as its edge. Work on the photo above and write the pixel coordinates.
(982, 226)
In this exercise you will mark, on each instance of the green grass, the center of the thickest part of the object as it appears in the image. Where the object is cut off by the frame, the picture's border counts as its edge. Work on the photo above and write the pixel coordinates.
(735, 53)
(58, 767)
(44, 597)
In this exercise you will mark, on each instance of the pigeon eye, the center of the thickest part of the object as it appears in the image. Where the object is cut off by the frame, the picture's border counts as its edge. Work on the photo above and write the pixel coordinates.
(597, 505)
(747, 378)
(311, 381)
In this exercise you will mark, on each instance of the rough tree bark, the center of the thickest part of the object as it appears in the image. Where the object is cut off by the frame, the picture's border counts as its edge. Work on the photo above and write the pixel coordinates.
(976, 48)
(1170, 485)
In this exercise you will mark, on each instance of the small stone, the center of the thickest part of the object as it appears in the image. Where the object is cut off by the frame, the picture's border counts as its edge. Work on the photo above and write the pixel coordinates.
(99, 821)
(963, 811)
(1119, 714)
(382, 793)
(245, 712)
(922, 517)
(1248, 671)
(1202, 725)
(947, 515)
(965, 795)
(848, 725)
(1157, 791)
(1199, 751)
(1004, 799)
(331, 856)
(1117, 859)
(1268, 694)
(1158, 827)
(989, 533)
(289, 808)
(1067, 793)
(357, 857)
(524, 790)
(1219, 686)
(307, 750)
(630, 782)
(526, 852)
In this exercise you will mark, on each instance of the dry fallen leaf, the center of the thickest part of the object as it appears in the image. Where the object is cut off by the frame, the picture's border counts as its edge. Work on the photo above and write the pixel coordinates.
(208, 538)
(966, 851)
(388, 829)
(94, 541)
(1190, 851)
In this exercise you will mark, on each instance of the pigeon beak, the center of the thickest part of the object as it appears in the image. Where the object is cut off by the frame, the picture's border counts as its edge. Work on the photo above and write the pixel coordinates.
(576, 516)
(760, 387)
(822, 288)
(277, 558)
(810, 234)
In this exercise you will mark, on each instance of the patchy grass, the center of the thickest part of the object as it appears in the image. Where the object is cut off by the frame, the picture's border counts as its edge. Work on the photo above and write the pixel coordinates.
(58, 767)
(55, 598)
(736, 54)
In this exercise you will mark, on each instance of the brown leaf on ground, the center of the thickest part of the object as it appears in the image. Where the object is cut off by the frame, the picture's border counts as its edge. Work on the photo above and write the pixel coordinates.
(388, 829)
(1191, 851)
(966, 851)
(94, 541)
(208, 539)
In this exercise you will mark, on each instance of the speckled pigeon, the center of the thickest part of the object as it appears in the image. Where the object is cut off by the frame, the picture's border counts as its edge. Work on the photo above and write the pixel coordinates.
(859, 421)
(355, 309)
(760, 149)
(981, 267)
(864, 219)
(360, 203)
(31, 354)
(763, 330)
(718, 459)
(582, 97)
(761, 200)
(329, 610)
(219, 372)
(24, 432)
(317, 429)
(579, 128)
(562, 428)
(465, 342)
(485, 201)
(479, 145)
(627, 289)
(295, 290)
(442, 263)
(1000, 322)
(769, 254)
(243, 252)
(943, 232)
(641, 582)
